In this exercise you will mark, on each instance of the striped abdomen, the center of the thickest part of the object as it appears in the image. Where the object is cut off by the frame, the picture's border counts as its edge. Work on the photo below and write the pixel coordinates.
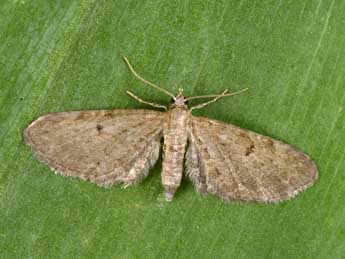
(175, 141)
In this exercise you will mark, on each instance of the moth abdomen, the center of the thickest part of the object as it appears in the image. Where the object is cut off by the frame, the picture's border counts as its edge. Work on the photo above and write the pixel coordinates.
(175, 142)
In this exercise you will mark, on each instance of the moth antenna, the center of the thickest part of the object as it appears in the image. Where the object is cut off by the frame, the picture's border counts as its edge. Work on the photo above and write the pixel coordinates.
(216, 95)
(145, 81)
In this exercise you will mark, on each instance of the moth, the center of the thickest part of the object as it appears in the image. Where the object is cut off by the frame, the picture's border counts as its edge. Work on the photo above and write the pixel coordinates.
(110, 147)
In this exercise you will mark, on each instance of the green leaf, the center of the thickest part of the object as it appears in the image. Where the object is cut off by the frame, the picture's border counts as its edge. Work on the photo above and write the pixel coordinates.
(67, 55)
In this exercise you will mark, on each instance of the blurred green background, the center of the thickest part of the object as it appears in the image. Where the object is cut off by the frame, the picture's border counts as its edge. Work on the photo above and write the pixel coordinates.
(67, 55)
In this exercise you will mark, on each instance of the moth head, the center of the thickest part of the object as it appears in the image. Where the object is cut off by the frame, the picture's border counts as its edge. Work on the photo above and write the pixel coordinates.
(179, 100)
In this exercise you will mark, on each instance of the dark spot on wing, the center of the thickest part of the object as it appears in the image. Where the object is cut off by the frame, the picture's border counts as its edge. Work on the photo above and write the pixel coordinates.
(216, 172)
(141, 139)
(81, 116)
(99, 127)
(250, 149)
(108, 114)
(124, 131)
(269, 144)
(241, 134)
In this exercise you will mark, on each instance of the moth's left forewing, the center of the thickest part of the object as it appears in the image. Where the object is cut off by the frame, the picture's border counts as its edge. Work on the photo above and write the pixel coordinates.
(105, 147)
(237, 164)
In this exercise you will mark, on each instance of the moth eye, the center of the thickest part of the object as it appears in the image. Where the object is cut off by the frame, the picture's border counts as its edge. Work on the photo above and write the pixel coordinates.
(172, 100)
(186, 101)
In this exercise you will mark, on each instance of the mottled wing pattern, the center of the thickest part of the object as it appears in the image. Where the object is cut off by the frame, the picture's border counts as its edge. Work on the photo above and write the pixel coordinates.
(103, 146)
(238, 164)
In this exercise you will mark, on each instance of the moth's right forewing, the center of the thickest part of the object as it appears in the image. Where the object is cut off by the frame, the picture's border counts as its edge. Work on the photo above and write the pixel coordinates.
(237, 164)
(103, 146)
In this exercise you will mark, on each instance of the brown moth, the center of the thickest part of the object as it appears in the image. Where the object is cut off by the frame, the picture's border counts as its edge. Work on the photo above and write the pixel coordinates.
(109, 147)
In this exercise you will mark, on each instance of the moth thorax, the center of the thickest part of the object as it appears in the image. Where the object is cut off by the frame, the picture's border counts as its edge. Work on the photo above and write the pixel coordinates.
(179, 101)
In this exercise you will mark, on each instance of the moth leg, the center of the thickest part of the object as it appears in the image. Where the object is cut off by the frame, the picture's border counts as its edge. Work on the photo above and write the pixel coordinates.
(209, 102)
(145, 102)
(215, 98)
